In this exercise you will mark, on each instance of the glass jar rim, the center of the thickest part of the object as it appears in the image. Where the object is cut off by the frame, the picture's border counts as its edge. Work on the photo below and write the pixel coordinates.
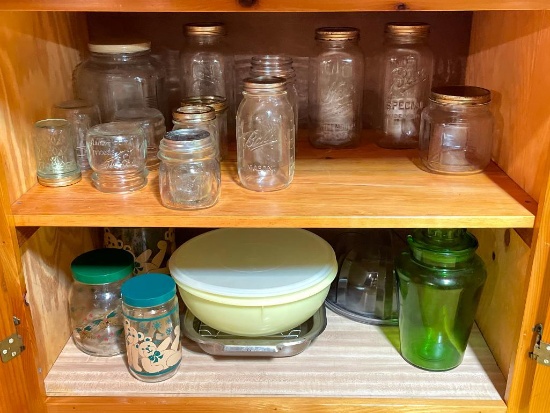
(205, 29)
(460, 95)
(337, 33)
(218, 103)
(119, 47)
(416, 29)
(194, 113)
(259, 84)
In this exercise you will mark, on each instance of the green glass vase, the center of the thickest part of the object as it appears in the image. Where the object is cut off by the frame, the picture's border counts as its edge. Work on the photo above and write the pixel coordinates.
(440, 283)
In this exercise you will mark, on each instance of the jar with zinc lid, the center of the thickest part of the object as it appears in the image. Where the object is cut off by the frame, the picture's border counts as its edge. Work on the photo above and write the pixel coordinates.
(120, 75)
(336, 88)
(265, 135)
(95, 303)
(151, 327)
(456, 131)
(198, 117)
(407, 69)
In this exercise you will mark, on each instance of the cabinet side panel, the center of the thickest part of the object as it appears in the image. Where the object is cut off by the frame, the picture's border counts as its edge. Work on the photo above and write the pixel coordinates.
(39, 51)
(508, 54)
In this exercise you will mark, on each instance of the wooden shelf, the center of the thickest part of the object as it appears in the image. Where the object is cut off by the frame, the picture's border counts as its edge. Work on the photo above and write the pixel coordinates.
(350, 188)
(348, 360)
(271, 5)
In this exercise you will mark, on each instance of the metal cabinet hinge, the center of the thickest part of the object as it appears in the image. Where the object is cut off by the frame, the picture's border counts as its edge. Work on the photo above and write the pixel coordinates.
(11, 347)
(541, 350)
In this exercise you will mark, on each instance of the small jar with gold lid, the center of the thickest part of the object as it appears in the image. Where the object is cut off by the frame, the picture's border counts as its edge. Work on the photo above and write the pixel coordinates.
(456, 130)
(198, 116)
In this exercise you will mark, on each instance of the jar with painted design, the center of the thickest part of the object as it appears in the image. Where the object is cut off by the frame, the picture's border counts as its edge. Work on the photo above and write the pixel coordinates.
(265, 135)
(197, 116)
(407, 70)
(151, 327)
(95, 301)
(336, 88)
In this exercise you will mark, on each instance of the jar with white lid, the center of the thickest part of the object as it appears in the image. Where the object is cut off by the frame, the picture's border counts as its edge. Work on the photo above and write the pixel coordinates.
(120, 75)
(456, 131)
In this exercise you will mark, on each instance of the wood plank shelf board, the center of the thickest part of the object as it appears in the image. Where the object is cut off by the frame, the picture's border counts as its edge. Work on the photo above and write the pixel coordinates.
(269, 5)
(363, 187)
(348, 360)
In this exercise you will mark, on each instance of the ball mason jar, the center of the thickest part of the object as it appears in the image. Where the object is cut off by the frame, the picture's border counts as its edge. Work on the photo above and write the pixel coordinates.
(456, 133)
(120, 75)
(441, 279)
(265, 135)
(151, 327)
(336, 88)
(95, 303)
(407, 70)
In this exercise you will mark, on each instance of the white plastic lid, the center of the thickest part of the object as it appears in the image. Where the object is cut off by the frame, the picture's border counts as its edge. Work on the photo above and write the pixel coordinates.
(250, 262)
(113, 47)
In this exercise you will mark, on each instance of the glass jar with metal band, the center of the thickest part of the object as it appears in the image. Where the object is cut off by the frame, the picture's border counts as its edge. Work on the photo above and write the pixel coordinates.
(198, 117)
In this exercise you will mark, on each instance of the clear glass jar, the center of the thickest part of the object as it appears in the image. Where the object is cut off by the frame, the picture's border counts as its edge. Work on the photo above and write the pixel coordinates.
(219, 104)
(198, 117)
(440, 283)
(81, 116)
(151, 327)
(456, 133)
(336, 88)
(152, 122)
(189, 175)
(120, 75)
(95, 303)
(55, 152)
(265, 135)
(117, 152)
(206, 68)
(407, 70)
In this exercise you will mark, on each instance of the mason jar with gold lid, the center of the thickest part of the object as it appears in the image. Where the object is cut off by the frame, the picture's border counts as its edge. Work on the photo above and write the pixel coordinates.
(198, 116)
(456, 131)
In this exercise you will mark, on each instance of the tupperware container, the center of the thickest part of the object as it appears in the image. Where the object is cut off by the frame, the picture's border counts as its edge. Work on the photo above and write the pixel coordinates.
(254, 282)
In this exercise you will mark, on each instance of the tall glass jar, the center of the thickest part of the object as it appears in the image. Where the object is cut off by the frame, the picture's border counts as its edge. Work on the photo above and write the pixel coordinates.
(120, 75)
(336, 88)
(198, 117)
(265, 135)
(189, 174)
(456, 133)
(440, 283)
(95, 303)
(407, 68)
(151, 326)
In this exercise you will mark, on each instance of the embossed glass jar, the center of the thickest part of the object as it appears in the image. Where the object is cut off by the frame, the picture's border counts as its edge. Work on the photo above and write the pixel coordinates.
(198, 117)
(265, 135)
(407, 68)
(336, 88)
(151, 327)
(94, 300)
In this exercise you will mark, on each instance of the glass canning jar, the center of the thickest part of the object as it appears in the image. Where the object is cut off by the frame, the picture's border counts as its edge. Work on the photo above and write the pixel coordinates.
(152, 123)
(189, 174)
(117, 152)
(198, 117)
(456, 133)
(407, 70)
(265, 135)
(336, 88)
(120, 75)
(94, 300)
(219, 104)
(151, 327)
(440, 283)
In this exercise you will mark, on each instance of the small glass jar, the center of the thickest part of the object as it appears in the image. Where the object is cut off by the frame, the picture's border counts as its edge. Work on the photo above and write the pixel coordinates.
(440, 283)
(120, 75)
(219, 104)
(152, 122)
(456, 133)
(407, 69)
(336, 88)
(151, 327)
(189, 175)
(198, 117)
(81, 116)
(117, 153)
(95, 303)
(265, 135)
(55, 151)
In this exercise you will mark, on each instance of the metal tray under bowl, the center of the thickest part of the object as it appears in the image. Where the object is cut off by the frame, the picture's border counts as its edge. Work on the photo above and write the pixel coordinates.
(286, 344)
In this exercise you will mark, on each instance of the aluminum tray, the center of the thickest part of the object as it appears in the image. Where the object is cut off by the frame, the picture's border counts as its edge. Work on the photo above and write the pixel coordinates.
(286, 344)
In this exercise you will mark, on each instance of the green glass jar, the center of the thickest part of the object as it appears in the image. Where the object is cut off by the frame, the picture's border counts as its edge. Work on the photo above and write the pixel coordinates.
(440, 282)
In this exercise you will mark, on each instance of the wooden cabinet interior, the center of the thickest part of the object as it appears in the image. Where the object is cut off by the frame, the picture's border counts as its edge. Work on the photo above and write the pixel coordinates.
(500, 50)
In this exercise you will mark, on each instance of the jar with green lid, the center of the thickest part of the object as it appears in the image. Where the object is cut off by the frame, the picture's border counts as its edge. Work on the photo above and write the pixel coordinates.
(95, 300)
(151, 326)
(440, 283)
